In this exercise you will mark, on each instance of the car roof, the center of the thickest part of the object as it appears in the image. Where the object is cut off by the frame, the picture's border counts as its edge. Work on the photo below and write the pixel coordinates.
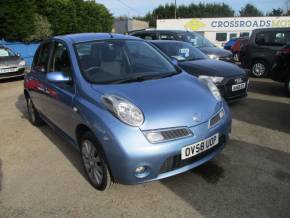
(163, 30)
(166, 41)
(85, 37)
(271, 29)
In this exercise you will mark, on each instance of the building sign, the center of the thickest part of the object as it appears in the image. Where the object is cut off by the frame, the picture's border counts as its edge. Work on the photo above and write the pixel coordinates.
(224, 24)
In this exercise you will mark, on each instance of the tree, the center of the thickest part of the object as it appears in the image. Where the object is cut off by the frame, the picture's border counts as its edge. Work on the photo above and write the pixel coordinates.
(17, 19)
(187, 11)
(250, 11)
(42, 28)
(276, 12)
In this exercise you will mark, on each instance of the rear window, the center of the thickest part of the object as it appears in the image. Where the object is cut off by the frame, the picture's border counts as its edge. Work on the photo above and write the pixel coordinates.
(6, 52)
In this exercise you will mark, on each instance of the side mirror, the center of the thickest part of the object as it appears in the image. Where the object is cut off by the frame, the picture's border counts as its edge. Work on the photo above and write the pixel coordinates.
(58, 77)
(17, 54)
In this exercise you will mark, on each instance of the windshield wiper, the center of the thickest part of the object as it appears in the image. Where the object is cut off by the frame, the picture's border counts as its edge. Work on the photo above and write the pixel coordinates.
(144, 77)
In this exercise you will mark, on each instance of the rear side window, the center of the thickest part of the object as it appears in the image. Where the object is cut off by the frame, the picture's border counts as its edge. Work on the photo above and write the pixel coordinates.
(146, 36)
(273, 38)
(41, 57)
(166, 36)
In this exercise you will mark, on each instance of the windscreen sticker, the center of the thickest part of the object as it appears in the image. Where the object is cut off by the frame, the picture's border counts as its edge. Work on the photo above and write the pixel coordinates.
(184, 52)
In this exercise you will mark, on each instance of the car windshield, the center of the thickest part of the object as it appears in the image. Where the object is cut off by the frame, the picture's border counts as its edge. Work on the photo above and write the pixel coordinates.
(4, 52)
(195, 39)
(113, 61)
(181, 51)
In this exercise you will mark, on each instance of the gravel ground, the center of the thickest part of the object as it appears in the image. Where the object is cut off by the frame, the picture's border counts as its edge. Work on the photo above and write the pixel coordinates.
(41, 175)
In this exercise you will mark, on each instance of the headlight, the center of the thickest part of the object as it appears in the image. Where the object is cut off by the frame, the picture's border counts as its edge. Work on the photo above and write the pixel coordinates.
(212, 87)
(124, 110)
(214, 79)
(213, 57)
(22, 63)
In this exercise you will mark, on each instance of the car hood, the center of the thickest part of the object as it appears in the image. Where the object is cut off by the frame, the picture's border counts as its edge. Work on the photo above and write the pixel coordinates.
(168, 102)
(211, 68)
(13, 60)
(215, 51)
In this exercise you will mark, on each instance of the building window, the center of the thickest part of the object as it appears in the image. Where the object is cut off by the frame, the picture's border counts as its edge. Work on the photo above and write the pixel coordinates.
(245, 34)
(221, 37)
(233, 35)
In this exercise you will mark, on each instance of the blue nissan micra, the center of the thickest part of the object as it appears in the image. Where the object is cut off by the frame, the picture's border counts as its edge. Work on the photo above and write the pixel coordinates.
(134, 115)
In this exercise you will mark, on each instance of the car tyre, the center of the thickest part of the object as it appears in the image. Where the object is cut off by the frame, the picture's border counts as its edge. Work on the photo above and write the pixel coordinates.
(33, 114)
(260, 69)
(94, 162)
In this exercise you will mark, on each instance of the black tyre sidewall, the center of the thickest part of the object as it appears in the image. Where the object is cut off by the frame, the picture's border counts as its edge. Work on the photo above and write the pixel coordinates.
(107, 181)
(38, 121)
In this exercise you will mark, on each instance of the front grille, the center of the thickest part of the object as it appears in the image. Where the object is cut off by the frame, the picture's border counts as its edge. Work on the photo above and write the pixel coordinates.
(175, 133)
(176, 162)
(228, 87)
(168, 134)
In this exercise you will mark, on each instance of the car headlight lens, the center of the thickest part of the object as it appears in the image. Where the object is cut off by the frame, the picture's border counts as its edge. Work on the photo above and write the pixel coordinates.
(214, 79)
(22, 63)
(124, 110)
(212, 87)
(213, 57)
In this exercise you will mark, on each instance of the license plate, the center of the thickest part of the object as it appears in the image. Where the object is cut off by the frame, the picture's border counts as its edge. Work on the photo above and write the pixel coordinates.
(8, 70)
(238, 87)
(199, 147)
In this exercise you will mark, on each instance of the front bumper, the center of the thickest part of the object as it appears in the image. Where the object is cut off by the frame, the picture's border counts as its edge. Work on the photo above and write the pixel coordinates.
(225, 88)
(129, 149)
(20, 72)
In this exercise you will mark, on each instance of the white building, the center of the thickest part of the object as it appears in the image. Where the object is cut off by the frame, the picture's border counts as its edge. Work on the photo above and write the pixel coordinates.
(220, 30)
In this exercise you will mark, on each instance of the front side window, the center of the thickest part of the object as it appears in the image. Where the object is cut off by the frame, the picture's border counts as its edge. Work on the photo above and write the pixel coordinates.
(221, 37)
(271, 38)
(195, 39)
(181, 51)
(60, 59)
(116, 60)
(5, 52)
(41, 58)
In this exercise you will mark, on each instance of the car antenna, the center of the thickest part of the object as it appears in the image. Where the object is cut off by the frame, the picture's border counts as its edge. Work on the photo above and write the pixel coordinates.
(111, 35)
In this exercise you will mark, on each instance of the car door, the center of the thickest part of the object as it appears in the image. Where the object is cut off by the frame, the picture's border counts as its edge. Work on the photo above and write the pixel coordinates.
(37, 77)
(267, 43)
(59, 96)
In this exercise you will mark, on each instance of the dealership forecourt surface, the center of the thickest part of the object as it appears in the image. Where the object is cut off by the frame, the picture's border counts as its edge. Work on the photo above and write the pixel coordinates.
(41, 175)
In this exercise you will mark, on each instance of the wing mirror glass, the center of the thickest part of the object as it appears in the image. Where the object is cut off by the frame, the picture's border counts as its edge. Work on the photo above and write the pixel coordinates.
(58, 77)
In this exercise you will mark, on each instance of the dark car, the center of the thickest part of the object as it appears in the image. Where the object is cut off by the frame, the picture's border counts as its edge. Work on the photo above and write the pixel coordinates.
(236, 47)
(231, 80)
(259, 54)
(281, 69)
(193, 38)
(11, 64)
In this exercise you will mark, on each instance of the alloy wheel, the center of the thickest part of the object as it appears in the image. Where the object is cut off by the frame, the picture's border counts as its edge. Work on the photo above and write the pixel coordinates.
(259, 69)
(92, 162)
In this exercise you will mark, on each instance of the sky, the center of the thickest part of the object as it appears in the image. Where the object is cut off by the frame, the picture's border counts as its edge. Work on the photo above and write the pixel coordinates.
(141, 7)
